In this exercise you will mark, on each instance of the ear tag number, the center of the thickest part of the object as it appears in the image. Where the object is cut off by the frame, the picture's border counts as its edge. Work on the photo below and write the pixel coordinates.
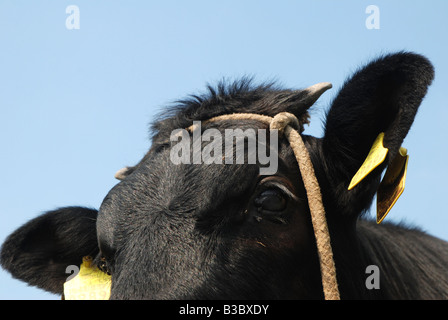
(392, 185)
(376, 156)
(90, 283)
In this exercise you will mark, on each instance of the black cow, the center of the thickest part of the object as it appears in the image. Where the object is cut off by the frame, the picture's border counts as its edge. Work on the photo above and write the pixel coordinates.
(214, 231)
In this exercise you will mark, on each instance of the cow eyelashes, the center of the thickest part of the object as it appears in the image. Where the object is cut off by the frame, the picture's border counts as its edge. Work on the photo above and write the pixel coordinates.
(270, 204)
(271, 200)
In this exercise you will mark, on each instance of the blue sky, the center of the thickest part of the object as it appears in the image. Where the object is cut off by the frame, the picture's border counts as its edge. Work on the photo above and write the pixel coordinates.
(76, 104)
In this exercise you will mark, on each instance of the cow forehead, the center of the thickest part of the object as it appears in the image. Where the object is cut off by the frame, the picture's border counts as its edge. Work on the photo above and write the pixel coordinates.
(159, 185)
(159, 188)
(159, 193)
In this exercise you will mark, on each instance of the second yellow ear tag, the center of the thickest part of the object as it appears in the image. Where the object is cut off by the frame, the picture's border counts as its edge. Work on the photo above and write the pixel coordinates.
(392, 185)
(375, 157)
(89, 284)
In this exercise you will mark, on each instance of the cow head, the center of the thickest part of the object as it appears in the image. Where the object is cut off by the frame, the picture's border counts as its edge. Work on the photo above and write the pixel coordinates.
(211, 230)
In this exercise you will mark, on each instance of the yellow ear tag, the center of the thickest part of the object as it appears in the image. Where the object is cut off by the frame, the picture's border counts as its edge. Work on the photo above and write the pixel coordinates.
(392, 185)
(376, 156)
(89, 284)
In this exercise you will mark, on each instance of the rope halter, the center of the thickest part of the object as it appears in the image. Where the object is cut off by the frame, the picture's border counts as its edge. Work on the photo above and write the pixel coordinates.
(289, 126)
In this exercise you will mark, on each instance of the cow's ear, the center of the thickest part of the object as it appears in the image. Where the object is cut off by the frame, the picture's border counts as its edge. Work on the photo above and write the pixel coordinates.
(40, 251)
(381, 97)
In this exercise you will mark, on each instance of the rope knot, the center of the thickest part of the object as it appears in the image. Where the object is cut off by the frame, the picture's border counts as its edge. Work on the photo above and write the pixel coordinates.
(281, 120)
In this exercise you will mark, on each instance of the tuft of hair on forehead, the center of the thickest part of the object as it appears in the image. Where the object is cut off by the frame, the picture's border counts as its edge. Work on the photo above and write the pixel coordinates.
(227, 97)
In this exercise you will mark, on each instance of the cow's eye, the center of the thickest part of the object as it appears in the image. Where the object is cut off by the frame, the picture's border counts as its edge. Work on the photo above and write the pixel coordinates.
(271, 200)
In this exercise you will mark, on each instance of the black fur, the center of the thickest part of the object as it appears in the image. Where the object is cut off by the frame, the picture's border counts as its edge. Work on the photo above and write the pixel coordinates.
(199, 232)
(40, 251)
